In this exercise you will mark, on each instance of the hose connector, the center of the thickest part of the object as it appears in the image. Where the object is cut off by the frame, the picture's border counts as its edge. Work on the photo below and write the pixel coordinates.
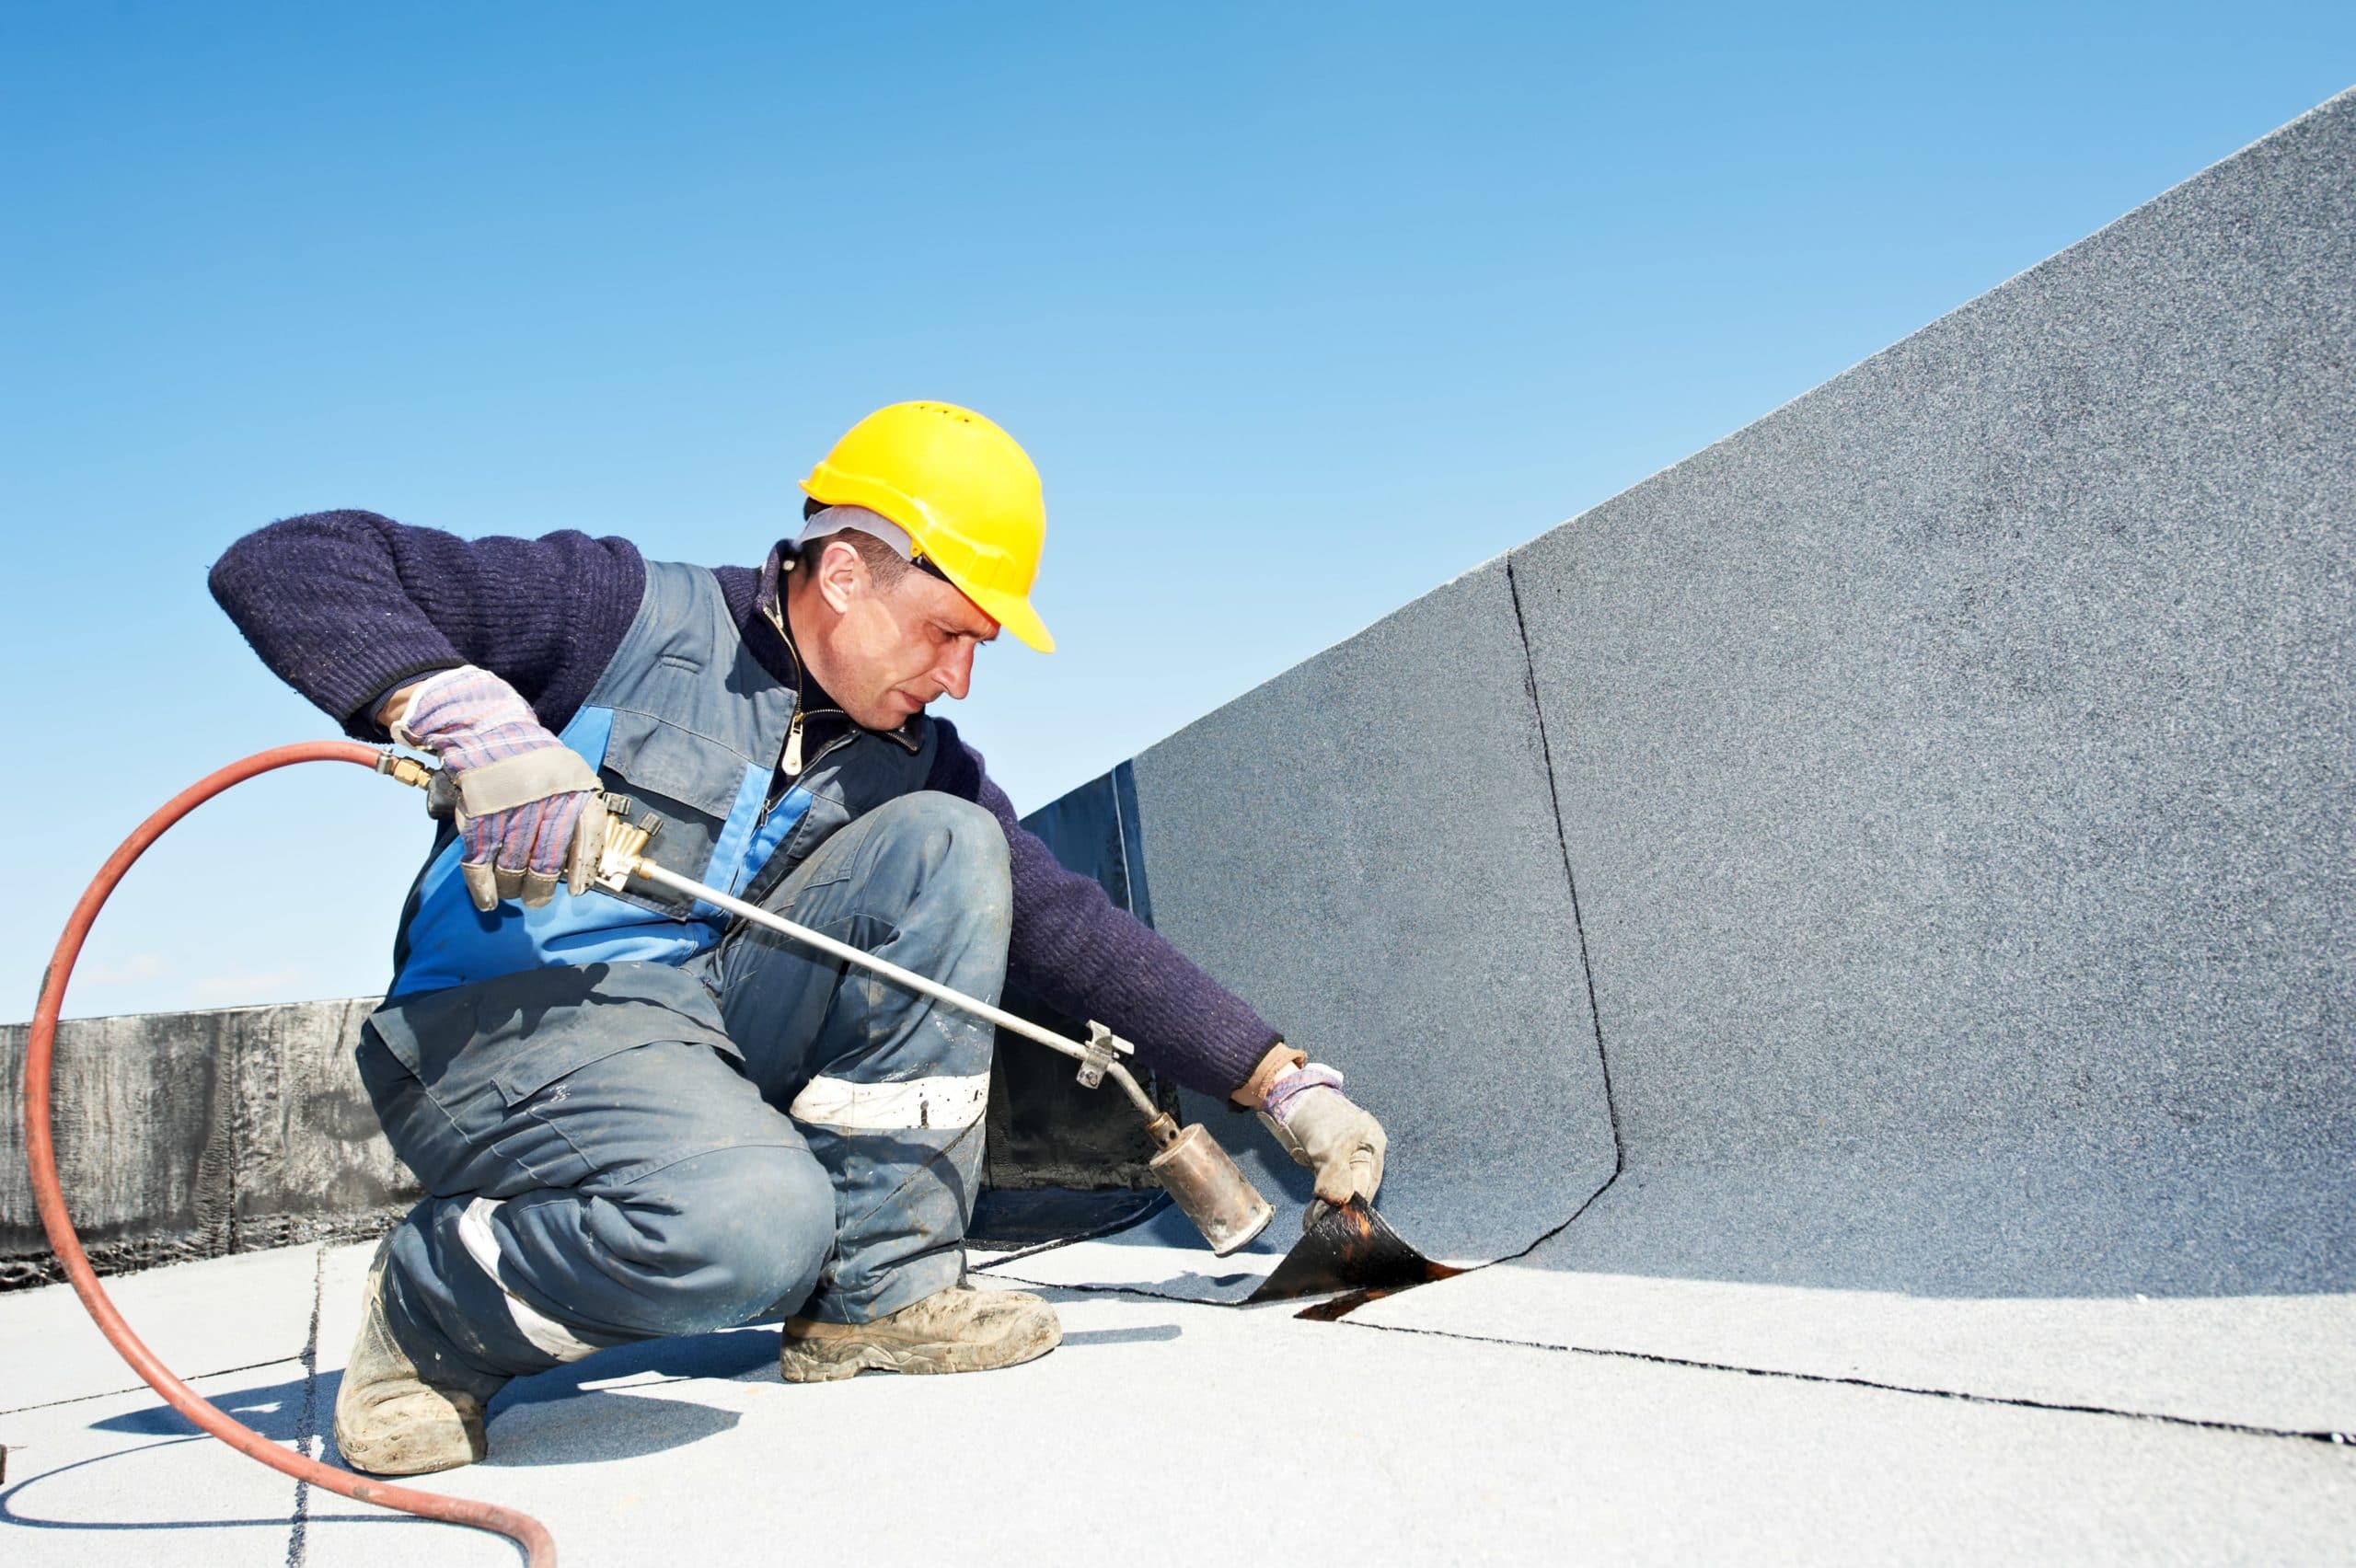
(406, 770)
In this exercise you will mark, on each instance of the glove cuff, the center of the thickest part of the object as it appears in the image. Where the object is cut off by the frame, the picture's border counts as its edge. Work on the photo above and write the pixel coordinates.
(1248, 1095)
(455, 703)
(1316, 1075)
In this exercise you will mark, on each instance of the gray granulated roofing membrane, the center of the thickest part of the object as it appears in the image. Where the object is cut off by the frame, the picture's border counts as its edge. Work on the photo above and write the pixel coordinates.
(1955, 771)
(1444, 1449)
(1365, 849)
(1958, 766)
(1807, 1272)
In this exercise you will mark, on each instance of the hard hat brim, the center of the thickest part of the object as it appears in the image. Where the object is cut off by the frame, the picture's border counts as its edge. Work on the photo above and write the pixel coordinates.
(1013, 612)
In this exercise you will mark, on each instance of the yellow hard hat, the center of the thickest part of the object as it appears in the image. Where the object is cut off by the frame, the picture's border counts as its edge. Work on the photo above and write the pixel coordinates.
(965, 492)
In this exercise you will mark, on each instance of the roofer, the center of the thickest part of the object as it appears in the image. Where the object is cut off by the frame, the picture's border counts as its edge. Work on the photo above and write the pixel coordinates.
(636, 1118)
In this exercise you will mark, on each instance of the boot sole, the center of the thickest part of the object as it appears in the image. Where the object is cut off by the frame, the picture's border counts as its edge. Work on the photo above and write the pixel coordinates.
(830, 1360)
(396, 1457)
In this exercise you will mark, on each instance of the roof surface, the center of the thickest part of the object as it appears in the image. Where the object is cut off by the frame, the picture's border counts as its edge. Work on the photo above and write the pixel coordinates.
(1163, 1430)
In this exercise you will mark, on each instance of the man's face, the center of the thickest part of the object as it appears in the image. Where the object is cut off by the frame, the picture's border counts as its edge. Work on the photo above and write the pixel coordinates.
(899, 648)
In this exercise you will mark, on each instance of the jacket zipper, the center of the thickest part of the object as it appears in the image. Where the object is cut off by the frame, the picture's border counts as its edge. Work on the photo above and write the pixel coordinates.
(793, 764)
(792, 760)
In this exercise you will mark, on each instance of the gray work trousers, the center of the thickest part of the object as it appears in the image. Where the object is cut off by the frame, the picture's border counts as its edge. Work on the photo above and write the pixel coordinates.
(663, 1186)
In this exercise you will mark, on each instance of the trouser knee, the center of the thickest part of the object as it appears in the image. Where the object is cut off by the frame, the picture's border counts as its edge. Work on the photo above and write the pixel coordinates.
(937, 859)
(717, 1238)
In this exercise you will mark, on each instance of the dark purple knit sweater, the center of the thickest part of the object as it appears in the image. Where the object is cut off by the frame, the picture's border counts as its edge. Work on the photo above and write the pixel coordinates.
(347, 605)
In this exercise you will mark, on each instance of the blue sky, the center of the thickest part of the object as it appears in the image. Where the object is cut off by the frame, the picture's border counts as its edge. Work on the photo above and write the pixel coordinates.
(1300, 309)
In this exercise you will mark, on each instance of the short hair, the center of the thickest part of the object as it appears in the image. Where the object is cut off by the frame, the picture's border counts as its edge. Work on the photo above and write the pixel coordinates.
(886, 565)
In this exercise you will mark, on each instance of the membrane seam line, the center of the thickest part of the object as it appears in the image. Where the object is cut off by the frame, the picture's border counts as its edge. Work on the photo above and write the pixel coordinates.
(136, 1387)
(1116, 1290)
(1036, 1248)
(1587, 1204)
(2239, 1428)
(306, 1428)
(1570, 880)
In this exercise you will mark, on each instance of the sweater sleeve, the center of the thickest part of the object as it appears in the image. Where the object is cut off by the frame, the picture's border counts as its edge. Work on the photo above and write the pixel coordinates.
(1087, 957)
(346, 606)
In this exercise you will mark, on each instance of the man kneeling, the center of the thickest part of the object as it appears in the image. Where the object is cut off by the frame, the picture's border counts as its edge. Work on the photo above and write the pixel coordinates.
(634, 1116)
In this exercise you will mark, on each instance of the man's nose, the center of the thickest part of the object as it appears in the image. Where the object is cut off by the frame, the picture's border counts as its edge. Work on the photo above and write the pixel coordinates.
(956, 672)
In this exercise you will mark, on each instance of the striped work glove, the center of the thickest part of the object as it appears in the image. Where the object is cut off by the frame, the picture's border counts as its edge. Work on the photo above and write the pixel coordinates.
(1320, 1127)
(530, 811)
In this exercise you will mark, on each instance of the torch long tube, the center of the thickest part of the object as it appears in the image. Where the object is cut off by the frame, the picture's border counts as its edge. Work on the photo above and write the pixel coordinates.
(921, 984)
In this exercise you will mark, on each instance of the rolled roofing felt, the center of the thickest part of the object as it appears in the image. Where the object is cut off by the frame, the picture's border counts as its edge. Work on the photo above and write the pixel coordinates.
(1351, 1249)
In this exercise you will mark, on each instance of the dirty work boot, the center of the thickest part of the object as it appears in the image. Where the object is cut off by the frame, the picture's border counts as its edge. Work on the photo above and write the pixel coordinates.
(389, 1419)
(957, 1329)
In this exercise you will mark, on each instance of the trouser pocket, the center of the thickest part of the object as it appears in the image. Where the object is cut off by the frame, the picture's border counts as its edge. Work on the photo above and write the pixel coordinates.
(454, 1073)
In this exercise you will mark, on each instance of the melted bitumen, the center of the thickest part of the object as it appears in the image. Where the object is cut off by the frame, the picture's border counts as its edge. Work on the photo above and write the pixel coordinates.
(1353, 1251)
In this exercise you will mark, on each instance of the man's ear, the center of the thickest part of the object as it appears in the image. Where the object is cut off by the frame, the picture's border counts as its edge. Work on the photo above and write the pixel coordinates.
(839, 574)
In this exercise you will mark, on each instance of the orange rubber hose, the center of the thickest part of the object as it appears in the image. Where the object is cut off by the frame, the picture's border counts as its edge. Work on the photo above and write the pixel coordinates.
(539, 1548)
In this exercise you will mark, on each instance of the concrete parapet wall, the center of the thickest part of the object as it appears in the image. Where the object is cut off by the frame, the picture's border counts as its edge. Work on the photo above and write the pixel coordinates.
(191, 1135)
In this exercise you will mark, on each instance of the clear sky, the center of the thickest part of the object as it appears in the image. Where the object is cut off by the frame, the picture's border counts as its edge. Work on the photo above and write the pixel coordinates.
(1301, 309)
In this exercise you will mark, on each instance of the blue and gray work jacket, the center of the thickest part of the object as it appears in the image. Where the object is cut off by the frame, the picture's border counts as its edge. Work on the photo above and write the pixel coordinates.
(685, 723)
